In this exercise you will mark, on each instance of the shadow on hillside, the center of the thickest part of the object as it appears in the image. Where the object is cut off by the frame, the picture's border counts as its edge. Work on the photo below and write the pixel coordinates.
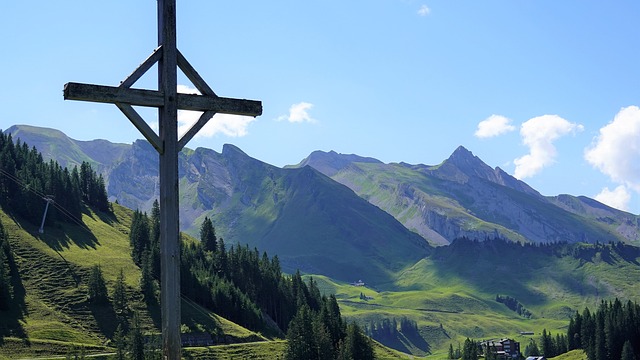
(106, 217)
(393, 342)
(62, 237)
(59, 235)
(418, 341)
(106, 318)
(498, 267)
(494, 268)
(154, 311)
(198, 320)
(12, 318)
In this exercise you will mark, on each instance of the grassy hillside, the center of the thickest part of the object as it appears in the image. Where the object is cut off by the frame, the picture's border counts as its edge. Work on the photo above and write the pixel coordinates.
(50, 312)
(451, 295)
(53, 144)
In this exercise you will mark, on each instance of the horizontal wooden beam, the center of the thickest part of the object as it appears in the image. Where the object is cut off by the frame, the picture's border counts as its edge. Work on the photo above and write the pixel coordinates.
(112, 95)
(153, 98)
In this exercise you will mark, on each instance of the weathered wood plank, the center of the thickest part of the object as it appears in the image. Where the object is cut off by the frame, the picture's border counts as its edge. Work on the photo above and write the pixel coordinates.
(202, 121)
(153, 98)
(169, 210)
(142, 126)
(110, 94)
(143, 68)
(193, 76)
(219, 104)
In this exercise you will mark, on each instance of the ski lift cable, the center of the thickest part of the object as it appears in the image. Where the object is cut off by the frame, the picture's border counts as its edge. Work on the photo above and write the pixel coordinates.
(47, 198)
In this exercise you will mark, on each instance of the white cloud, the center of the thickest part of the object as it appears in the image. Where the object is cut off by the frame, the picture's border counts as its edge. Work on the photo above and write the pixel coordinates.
(616, 150)
(229, 125)
(424, 10)
(492, 126)
(618, 198)
(539, 134)
(298, 113)
(185, 89)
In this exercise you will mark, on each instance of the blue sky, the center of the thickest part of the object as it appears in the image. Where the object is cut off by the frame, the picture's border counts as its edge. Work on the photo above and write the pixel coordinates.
(547, 90)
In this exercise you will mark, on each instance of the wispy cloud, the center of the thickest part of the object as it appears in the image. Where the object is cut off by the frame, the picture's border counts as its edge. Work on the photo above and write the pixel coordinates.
(618, 198)
(616, 149)
(229, 125)
(539, 135)
(492, 126)
(424, 10)
(298, 113)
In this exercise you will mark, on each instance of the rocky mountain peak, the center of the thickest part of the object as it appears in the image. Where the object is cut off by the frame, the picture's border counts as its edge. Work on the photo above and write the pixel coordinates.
(330, 163)
(462, 165)
(229, 150)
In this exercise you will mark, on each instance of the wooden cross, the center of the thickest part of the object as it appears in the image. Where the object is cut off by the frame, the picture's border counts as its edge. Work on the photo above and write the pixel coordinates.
(168, 102)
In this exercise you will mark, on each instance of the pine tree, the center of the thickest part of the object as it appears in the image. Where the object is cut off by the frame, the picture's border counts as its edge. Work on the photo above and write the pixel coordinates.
(119, 342)
(600, 337)
(531, 349)
(147, 286)
(323, 343)
(300, 338)
(120, 295)
(548, 348)
(470, 350)
(154, 234)
(208, 235)
(136, 340)
(139, 236)
(356, 345)
(627, 351)
(97, 286)
(221, 261)
(450, 354)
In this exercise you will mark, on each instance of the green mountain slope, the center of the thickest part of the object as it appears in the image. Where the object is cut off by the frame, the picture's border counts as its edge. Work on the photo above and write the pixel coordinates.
(53, 144)
(451, 294)
(50, 312)
(463, 197)
(310, 221)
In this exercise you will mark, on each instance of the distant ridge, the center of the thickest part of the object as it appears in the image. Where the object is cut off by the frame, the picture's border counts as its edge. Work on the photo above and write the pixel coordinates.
(310, 221)
(461, 197)
(464, 197)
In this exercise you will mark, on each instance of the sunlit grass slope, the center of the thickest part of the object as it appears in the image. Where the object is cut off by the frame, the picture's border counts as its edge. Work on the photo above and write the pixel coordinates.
(50, 312)
(451, 294)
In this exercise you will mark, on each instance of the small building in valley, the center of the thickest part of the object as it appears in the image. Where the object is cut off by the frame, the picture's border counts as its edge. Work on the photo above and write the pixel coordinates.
(504, 349)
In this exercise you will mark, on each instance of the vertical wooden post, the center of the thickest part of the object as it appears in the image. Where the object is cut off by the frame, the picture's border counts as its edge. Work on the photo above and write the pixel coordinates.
(168, 145)
(169, 213)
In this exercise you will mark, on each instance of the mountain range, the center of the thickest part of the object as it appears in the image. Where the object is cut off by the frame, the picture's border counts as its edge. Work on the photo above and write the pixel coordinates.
(320, 215)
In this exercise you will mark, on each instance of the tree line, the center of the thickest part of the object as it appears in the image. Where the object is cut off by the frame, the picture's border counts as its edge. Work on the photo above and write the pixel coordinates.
(513, 304)
(321, 334)
(580, 251)
(387, 329)
(550, 346)
(244, 286)
(26, 180)
(612, 332)
(128, 339)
